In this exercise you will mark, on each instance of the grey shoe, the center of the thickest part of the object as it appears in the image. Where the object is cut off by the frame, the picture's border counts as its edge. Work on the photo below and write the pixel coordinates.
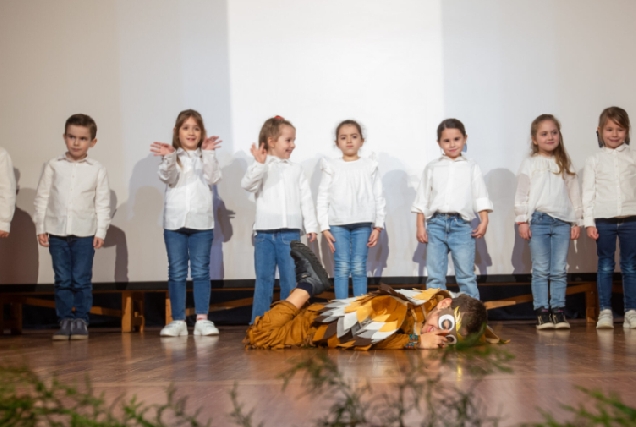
(309, 269)
(79, 329)
(65, 330)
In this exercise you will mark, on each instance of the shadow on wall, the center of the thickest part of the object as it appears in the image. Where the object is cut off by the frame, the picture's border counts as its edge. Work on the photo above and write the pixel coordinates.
(19, 252)
(116, 237)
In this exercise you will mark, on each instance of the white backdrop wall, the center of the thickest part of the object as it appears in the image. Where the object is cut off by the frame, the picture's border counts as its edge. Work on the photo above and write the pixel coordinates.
(398, 67)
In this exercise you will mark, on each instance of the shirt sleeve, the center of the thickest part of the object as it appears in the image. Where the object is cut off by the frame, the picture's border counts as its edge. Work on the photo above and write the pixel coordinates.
(421, 203)
(588, 196)
(7, 191)
(102, 203)
(253, 179)
(522, 194)
(322, 202)
(211, 168)
(574, 191)
(378, 195)
(481, 201)
(307, 205)
(169, 170)
(42, 197)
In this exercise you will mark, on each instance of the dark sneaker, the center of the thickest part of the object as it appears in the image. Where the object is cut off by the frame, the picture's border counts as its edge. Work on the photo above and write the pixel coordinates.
(544, 319)
(558, 318)
(309, 269)
(65, 330)
(79, 330)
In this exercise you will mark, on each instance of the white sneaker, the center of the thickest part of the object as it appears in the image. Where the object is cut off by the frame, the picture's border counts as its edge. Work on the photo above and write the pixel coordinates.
(205, 327)
(605, 319)
(176, 328)
(630, 320)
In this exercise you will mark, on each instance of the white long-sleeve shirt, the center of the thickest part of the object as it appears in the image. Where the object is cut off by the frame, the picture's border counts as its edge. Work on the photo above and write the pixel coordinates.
(73, 198)
(350, 193)
(189, 200)
(7, 191)
(452, 186)
(539, 188)
(283, 196)
(609, 184)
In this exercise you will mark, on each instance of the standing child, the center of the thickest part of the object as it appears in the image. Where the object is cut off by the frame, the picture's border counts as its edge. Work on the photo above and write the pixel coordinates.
(452, 189)
(283, 205)
(72, 214)
(189, 168)
(609, 206)
(548, 211)
(350, 209)
(7, 193)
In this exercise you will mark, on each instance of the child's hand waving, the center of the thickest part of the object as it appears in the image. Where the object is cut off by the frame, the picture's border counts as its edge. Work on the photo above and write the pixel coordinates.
(161, 149)
(259, 153)
(211, 143)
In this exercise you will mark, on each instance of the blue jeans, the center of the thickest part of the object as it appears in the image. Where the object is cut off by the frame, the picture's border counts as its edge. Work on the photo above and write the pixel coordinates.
(183, 245)
(350, 258)
(271, 248)
(73, 269)
(608, 230)
(549, 246)
(450, 233)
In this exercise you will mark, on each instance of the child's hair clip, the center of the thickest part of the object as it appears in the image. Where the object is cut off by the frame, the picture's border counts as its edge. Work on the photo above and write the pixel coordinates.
(279, 118)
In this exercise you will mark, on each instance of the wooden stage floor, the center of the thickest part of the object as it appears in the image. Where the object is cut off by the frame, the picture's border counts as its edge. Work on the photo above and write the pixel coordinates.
(548, 367)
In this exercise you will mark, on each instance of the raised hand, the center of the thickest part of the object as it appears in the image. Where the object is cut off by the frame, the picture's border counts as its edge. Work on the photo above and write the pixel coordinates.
(330, 239)
(161, 149)
(211, 143)
(259, 153)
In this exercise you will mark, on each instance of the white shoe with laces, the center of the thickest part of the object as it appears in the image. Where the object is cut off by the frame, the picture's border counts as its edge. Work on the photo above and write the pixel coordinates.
(205, 328)
(630, 320)
(176, 328)
(605, 319)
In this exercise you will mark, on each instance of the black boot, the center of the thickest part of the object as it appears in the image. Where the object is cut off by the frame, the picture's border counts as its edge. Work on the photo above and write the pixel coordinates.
(309, 269)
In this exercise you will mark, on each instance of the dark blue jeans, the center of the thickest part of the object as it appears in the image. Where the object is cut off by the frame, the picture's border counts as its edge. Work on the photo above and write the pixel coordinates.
(183, 245)
(73, 268)
(608, 230)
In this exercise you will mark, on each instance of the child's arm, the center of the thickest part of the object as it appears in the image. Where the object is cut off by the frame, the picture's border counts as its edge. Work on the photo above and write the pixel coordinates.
(211, 168)
(574, 191)
(102, 207)
(380, 208)
(7, 193)
(420, 228)
(480, 231)
(521, 201)
(254, 176)
(307, 208)
(168, 170)
(588, 198)
(42, 202)
(322, 203)
(420, 205)
(481, 202)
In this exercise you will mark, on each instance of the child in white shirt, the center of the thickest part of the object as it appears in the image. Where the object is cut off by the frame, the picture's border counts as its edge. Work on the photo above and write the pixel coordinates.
(189, 169)
(350, 209)
(7, 193)
(283, 205)
(609, 206)
(452, 189)
(72, 214)
(548, 212)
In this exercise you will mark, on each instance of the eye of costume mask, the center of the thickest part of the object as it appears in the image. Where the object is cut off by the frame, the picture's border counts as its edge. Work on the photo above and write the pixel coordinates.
(451, 320)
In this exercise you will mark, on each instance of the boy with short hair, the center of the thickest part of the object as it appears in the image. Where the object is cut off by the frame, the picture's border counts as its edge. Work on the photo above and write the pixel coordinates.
(7, 193)
(72, 214)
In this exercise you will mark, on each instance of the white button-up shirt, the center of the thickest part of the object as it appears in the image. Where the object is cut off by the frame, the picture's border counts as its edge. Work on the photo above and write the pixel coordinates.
(452, 186)
(189, 199)
(609, 184)
(73, 198)
(350, 193)
(283, 196)
(541, 188)
(7, 191)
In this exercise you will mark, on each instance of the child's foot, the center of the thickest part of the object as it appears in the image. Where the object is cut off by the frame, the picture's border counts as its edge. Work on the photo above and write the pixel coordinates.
(309, 269)
(605, 319)
(544, 319)
(65, 330)
(630, 320)
(79, 329)
(558, 318)
(205, 327)
(176, 328)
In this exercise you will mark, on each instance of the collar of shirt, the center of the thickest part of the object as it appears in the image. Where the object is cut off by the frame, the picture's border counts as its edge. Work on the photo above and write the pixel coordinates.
(274, 159)
(459, 158)
(195, 153)
(620, 149)
(85, 159)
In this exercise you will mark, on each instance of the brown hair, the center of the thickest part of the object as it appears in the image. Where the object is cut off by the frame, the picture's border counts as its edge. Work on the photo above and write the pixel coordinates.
(181, 119)
(271, 129)
(560, 155)
(618, 115)
(82, 120)
(474, 314)
(450, 124)
(349, 122)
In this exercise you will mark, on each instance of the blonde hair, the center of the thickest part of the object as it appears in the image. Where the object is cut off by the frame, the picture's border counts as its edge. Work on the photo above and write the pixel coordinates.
(272, 129)
(560, 155)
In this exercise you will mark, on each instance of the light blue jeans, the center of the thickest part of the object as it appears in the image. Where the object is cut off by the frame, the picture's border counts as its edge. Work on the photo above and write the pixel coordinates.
(549, 246)
(450, 233)
(350, 258)
(271, 248)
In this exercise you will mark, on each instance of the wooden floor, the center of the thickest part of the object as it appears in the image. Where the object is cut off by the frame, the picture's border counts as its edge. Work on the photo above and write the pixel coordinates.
(547, 368)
